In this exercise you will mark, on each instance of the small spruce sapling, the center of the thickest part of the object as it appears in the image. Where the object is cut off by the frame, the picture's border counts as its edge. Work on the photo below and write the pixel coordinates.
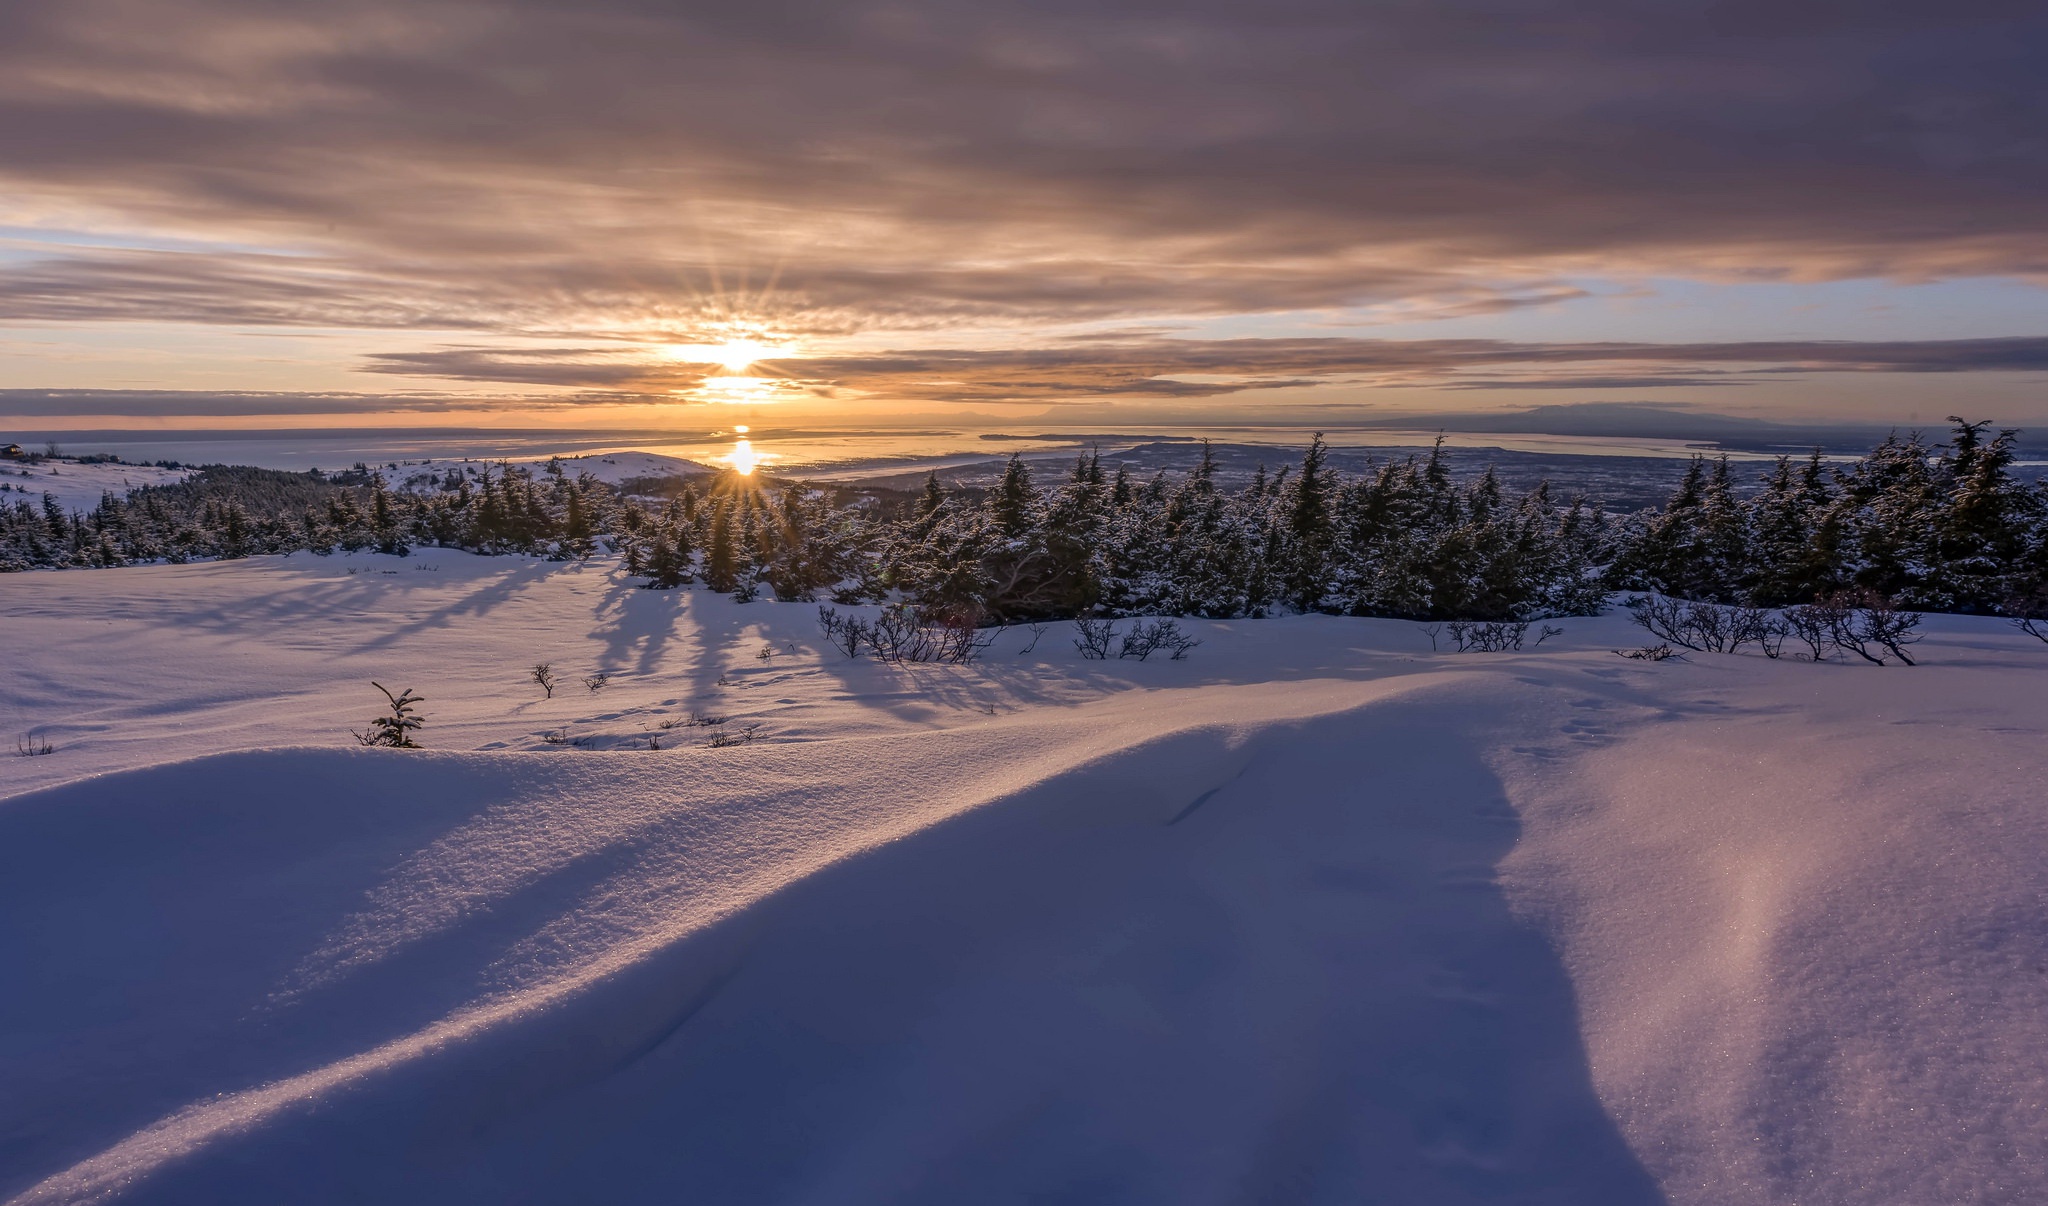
(395, 730)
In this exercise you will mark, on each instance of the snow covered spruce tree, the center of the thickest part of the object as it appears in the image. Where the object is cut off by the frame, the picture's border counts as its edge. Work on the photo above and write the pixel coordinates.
(1942, 527)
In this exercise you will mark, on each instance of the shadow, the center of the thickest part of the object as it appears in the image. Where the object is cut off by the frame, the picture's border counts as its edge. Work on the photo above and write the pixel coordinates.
(313, 590)
(1267, 971)
(140, 973)
(1301, 984)
(477, 603)
(636, 625)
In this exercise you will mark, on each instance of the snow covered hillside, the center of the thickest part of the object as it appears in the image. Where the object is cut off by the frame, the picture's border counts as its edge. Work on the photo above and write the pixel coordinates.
(76, 486)
(1315, 915)
(612, 468)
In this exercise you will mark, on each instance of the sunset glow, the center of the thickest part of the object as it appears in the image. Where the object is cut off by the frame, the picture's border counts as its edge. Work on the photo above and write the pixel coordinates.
(949, 601)
(1762, 238)
(740, 391)
(735, 356)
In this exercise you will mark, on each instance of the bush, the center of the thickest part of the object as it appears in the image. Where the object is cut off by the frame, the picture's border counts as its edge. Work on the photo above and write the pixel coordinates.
(907, 633)
(394, 730)
(1651, 653)
(1148, 637)
(1095, 636)
(1493, 636)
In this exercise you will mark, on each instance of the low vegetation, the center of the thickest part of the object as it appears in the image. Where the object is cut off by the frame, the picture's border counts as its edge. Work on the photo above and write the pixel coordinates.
(395, 728)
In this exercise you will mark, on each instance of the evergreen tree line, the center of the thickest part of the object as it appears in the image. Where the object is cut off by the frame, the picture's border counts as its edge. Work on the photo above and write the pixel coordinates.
(1940, 527)
(1935, 527)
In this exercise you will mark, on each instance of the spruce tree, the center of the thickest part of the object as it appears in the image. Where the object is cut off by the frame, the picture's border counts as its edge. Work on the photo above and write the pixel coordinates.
(721, 553)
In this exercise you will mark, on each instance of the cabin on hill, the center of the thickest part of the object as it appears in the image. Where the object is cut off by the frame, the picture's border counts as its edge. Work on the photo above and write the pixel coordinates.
(11, 451)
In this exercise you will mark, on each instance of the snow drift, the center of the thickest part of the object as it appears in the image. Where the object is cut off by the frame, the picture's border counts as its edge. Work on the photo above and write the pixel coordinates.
(1315, 916)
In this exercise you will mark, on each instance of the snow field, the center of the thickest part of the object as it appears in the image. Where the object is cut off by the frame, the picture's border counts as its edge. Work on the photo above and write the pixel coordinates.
(77, 487)
(1315, 915)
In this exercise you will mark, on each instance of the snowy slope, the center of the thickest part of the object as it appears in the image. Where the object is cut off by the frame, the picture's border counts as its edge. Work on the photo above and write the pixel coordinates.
(612, 467)
(1315, 915)
(626, 464)
(78, 487)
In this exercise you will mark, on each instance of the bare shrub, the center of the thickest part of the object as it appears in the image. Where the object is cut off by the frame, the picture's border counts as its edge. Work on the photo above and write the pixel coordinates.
(725, 737)
(849, 634)
(1704, 627)
(394, 730)
(2030, 615)
(1549, 630)
(1663, 617)
(1096, 632)
(961, 638)
(1148, 637)
(1651, 653)
(1878, 622)
(543, 676)
(1432, 631)
(1814, 624)
(595, 682)
(895, 636)
(1039, 630)
(1759, 626)
(28, 745)
(1487, 636)
(904, 633)
(1861, 622)
(1711, 627)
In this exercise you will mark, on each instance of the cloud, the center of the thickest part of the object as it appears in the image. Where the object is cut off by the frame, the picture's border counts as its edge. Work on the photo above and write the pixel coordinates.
(1181, 368)
(630, 168)
(172, 404)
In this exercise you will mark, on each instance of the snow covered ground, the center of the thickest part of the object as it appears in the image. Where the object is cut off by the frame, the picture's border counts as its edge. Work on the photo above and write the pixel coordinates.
(78, 487)
(611, 467)
(1316, 915)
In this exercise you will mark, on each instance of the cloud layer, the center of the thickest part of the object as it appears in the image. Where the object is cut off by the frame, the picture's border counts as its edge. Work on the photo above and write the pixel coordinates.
(637, 171)
(1183, 368)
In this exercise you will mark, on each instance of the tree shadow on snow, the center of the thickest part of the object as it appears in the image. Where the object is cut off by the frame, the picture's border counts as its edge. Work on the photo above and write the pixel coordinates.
(1297, 982)
(1276, 970)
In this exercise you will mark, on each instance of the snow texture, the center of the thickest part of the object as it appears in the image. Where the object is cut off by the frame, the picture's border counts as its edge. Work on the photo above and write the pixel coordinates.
(1316, 915)
(75, 486)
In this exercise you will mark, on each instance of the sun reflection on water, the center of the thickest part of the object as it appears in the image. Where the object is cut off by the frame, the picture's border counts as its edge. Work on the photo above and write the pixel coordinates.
(743, 459)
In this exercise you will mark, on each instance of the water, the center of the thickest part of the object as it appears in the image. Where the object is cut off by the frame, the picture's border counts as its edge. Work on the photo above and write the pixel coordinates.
(810, 451)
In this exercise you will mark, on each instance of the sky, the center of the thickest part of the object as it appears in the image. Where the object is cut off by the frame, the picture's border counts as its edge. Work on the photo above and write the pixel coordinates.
(222, 213)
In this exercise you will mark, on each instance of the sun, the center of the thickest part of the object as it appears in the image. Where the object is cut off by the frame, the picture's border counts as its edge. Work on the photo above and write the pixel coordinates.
(738, 355)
